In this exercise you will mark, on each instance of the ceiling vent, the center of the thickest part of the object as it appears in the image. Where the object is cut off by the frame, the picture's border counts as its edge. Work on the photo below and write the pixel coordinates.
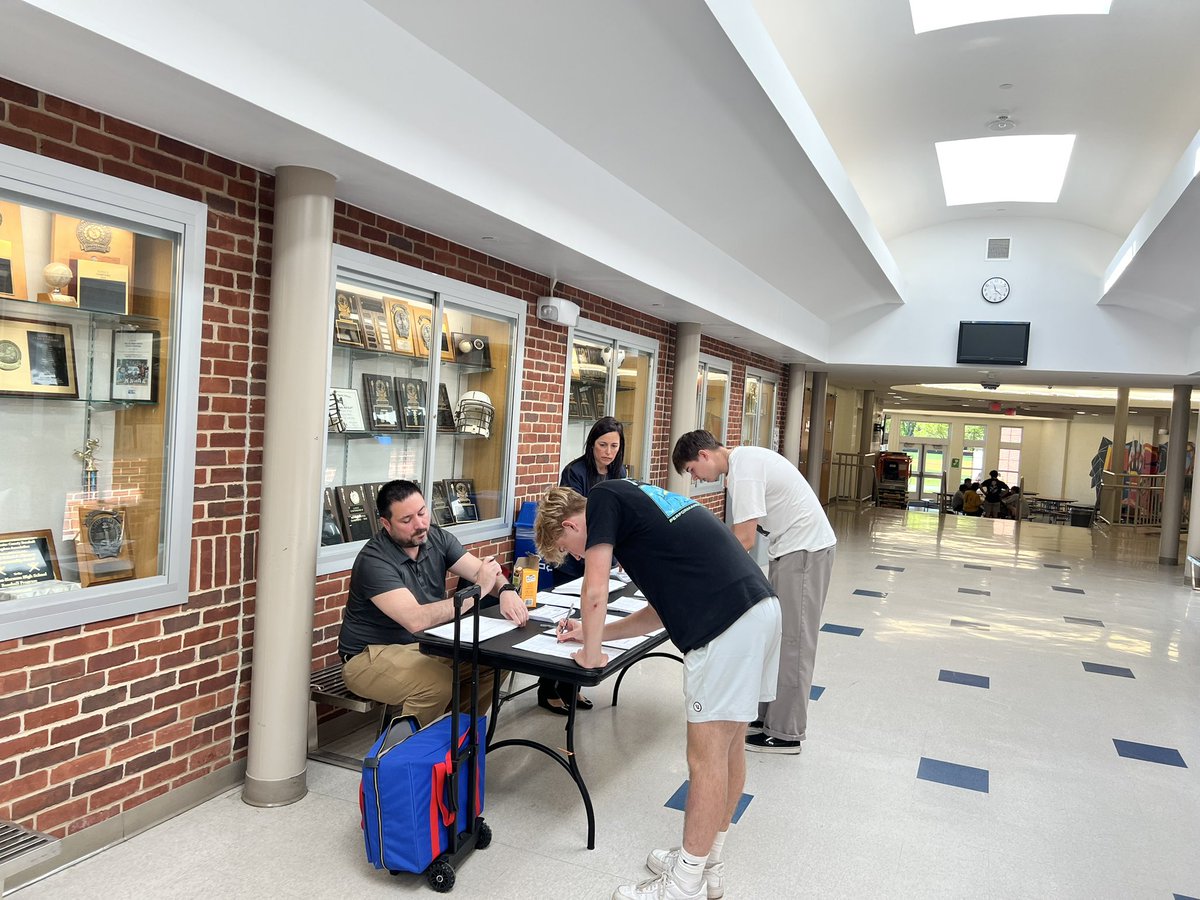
(998, 248)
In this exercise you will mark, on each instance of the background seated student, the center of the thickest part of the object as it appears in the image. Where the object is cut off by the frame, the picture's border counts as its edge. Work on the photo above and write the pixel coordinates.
(956, 502)
(972, 501)
(1016, 506)
(397, 588)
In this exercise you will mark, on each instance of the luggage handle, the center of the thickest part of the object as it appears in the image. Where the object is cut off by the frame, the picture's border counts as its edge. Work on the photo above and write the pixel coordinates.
(372, 762)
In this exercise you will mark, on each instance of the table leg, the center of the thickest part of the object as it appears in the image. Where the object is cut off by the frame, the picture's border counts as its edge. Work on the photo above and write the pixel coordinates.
(621, 675)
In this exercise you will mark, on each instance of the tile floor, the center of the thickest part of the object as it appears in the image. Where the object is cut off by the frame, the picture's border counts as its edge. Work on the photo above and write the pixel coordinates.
(978, 732)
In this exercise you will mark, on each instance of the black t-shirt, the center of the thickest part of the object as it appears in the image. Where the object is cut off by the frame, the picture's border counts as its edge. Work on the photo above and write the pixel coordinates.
(695, 573)
(382, 566)
(993, 490)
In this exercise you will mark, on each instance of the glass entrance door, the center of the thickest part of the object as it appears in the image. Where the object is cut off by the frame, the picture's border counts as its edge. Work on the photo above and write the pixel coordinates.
(925, 473)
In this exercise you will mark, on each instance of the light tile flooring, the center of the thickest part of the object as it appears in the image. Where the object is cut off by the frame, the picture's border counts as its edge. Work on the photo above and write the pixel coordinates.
(1039, 803)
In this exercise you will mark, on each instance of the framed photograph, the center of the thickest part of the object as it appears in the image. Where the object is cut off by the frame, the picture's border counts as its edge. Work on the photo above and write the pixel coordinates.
(400, 323)
(377, 333)
(445, 412)
(103, 549)
(347, 329)
(27, 557)
(135, 366)
(440, 506)
(412, 399)
(37, 359)
(344, 402)
(381, 403)
(472, 350)
(354, 511)
(331, 528)
(460, 492)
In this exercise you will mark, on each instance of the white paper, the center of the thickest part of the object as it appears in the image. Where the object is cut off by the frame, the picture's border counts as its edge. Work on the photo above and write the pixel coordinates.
(638, 593)
(621, 575)
(575, 588)
(550, 614)
(488, 629)
(628, 604)
(630, 642)
(548, 645)
(546, 598)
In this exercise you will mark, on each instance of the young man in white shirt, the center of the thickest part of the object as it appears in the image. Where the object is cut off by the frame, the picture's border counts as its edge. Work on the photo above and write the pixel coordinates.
(764, 490)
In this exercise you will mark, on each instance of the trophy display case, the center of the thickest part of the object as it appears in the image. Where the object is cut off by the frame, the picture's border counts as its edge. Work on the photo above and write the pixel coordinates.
(422, 386)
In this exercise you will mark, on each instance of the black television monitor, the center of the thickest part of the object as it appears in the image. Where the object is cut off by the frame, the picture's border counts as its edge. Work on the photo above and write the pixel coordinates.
(993, 343)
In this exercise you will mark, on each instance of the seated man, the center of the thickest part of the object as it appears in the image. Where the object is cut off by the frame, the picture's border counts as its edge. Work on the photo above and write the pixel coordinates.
(972, 500)
(397, 588)
(1016, 505)
(960, 496)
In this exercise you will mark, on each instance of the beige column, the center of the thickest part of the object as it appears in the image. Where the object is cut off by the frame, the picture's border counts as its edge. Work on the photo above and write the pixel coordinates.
(865, 434)
(299, 335)
(793, 421)
(683, 396)
(1193, 539)
(1111, 503)
(1172, 508)
(816, 431)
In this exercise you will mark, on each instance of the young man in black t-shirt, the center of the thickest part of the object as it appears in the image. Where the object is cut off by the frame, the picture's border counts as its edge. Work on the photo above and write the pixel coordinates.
(993, 495)
(717, 607)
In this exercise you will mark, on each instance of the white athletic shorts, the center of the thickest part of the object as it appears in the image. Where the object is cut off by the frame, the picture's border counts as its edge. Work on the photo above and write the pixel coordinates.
(726, 679)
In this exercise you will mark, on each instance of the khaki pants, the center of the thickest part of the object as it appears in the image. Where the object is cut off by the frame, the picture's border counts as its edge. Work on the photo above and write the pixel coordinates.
(401, 675)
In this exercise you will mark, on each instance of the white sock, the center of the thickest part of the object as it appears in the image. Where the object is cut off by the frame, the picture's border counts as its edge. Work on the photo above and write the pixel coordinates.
(689, 870)
(714, 855)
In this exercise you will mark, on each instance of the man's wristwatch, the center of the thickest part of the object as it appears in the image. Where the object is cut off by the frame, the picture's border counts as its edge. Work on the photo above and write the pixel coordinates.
(508, 587)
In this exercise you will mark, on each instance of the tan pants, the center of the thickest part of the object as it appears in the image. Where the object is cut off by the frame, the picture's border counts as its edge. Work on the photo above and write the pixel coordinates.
(400, 675)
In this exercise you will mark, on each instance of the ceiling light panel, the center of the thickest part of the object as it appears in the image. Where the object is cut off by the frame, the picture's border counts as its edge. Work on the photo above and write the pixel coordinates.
(1025, 168)
(932, 15)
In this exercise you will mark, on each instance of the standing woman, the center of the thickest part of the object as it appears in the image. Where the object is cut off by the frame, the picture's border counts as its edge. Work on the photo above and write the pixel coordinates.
(603, 458)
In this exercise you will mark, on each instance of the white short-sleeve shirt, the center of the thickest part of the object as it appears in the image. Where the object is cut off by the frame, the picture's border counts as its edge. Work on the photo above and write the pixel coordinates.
(763, 485)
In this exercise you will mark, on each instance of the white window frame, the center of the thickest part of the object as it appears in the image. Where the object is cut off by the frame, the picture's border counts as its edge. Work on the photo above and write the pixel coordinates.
(764, 377)
(707, 362)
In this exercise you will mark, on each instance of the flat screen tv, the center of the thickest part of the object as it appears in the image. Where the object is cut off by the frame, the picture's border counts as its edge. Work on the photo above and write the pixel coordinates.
(993, 343)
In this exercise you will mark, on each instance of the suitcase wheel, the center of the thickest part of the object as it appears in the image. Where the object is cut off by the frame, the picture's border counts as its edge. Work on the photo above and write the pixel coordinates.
(483, 834)
(440, 876)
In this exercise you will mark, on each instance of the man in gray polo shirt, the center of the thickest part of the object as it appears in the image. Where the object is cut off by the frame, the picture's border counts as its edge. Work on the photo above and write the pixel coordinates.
(397, 588)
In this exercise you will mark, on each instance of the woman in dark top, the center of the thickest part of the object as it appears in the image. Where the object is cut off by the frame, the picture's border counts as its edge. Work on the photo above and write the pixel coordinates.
(603, 458)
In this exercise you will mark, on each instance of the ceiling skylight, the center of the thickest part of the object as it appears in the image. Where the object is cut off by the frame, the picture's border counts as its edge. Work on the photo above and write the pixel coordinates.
(1027, 168)
(931, 15)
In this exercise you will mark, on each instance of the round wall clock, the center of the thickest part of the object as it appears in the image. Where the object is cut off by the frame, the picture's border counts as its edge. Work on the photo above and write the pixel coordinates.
(995, 290)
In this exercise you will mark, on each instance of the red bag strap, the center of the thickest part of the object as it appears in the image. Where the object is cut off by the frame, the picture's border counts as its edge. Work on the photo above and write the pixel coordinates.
(441, 772)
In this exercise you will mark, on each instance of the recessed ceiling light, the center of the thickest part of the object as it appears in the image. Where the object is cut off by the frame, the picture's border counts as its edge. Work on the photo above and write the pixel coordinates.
(488, 237)
(1006, 86)
(1027, 168)
(931, 15)
(1095, 414)
(1080, 412)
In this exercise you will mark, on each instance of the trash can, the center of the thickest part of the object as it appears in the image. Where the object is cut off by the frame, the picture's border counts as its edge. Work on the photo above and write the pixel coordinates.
(1082, 516)
(524, 543)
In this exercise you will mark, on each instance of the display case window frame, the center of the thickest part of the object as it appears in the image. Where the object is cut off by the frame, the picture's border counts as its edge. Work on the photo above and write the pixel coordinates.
(585, 329)
(384, 275)
(61, 187)
(709, 364)
(762, 377)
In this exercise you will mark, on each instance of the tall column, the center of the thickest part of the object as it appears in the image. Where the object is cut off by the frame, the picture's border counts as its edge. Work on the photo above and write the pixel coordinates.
(683, 396)
(816, 431)
(1172, 508)
(793, 423)
(298, 340)
(1111, 505)
(865, 433)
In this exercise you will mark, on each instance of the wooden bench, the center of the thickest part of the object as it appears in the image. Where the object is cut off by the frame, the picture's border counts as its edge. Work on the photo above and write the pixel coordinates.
(21, 849)
(326, 686)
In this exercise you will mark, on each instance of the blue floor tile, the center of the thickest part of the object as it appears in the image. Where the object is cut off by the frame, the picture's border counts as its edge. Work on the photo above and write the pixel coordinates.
(973, 566)
(963, 623)
(1054, 566)
(1076, 620)
(815, 692)
(891, 568)
(863, 592)
(1167, 756)
(1067, 590)
(1101, 669)
(975, 591)
(953, 774)
(842, 629)
(982, 681)
(679, 799)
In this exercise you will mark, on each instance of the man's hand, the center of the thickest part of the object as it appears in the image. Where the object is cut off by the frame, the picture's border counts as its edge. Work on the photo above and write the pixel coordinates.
(580, 657)
(570, 630)
(513, 608)
(490, 575)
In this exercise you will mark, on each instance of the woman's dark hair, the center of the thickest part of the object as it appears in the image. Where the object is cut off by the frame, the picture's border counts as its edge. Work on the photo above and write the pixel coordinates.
(616, 469)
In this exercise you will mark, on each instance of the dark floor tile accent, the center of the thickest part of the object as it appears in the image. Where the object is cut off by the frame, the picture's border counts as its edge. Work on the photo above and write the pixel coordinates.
(891, 568)
(973, 566)
(1101, 669)
(963, 623)
(1167, 756)
(1054, 566)
(1066, 590)
(815, 691)
(842, 629)
(975, 591)
(863, 592)
(1076, 620)
(981, 681)
(679, 800)
(953, 774)
(1182, 897)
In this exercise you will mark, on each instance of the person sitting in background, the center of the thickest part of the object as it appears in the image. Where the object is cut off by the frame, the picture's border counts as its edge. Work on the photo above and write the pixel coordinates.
(972, 500)
(1016, 504)
(956, 502)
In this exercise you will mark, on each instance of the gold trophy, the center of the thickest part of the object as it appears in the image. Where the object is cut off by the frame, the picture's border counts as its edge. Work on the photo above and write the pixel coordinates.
(57, 276)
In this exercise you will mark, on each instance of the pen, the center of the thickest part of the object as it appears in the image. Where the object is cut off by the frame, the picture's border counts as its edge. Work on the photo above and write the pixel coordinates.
(562, 623)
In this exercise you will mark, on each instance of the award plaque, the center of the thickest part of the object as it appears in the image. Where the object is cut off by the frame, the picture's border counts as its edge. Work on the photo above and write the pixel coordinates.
(347, 330)
(331, 529)
(461, 494)
(370, 496)
(102, 548)
(377, 333)
(410, 392)
(349, 410)
(400, 323)
(12, 252)
(445, 412)
(27, 557)
(472, 350)
(135, 366)
(440, 507)
(101, 286)
(447, 349)
(354, 511)
(423, 329)
(381, 403)
(37, 359)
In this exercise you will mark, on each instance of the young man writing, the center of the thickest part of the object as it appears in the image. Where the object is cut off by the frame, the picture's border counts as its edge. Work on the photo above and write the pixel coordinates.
(719, 610)
(764, 490)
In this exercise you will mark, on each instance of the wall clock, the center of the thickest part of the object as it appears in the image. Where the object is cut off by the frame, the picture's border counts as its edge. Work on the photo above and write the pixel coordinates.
(995, 290)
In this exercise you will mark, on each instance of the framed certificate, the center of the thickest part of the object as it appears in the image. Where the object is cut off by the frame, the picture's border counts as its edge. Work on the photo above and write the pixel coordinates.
(37, 359)
(135, 366)
(345, 402)
(27, 557)
(103, 549)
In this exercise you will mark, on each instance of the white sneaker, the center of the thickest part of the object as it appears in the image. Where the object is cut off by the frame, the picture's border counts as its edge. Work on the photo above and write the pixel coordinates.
(664, 887)
(660, 861)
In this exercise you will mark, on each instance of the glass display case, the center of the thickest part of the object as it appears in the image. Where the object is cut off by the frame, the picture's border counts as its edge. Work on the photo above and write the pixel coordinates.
(422, 386)
(90, 312)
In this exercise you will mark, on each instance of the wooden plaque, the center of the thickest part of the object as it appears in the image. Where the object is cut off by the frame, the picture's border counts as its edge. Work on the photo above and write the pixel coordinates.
(103, 548)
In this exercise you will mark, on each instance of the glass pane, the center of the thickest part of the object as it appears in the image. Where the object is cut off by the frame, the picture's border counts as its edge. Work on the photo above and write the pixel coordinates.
(86, 315)
(588, 395)
(766, 415)
(716, 383)
(1010, 435)
(914, 454)
(935, 458)
(931, 487)
(975, 433)
(751, 397)
(634, 384)
(972, 463)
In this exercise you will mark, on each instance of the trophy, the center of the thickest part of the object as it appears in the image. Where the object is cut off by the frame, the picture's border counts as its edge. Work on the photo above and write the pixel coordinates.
(91, 473)
(57, 276)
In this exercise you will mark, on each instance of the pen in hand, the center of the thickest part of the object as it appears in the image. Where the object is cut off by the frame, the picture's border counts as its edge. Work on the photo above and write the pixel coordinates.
(564, 623)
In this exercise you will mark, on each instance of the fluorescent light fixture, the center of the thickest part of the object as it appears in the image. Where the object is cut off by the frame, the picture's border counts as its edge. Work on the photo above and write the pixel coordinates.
(1015, 168)
(931, 15)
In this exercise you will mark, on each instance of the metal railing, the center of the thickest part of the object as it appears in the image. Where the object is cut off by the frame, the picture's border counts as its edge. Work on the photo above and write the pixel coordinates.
(853, 477)
(1133, 499)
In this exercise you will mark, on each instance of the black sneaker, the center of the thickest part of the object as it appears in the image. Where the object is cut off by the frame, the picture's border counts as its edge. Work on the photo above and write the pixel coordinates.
(762, 743)
(756, 725)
